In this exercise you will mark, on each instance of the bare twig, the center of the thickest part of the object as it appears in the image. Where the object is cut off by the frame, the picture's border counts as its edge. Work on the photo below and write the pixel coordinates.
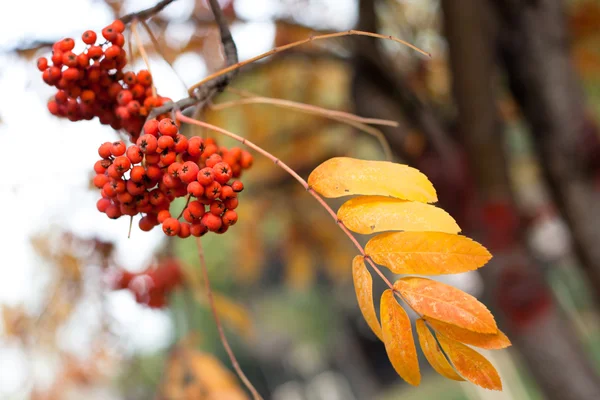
(142, 50)
(222, 336)
(353, 120)
(238, 65)
(147, 13)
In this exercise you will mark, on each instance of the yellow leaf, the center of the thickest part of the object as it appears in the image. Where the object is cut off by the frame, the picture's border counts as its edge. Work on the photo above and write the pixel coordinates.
(426, 253)
(398, 339)
(470, 364)
(434, 354)
(484, 340)
(363, 285)
(446, 303)
(344, 176)
(370, 214)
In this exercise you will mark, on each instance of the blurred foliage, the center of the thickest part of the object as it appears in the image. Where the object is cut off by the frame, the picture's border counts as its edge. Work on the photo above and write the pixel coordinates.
(274, 272)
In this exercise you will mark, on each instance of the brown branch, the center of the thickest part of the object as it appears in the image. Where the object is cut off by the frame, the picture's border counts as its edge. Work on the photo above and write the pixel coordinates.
(147, 13)
(222, 336)
(202, 95)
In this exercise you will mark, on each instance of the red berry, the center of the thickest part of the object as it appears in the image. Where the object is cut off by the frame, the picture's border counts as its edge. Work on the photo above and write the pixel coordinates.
(89, 37)
(237, 186)
(211, 221)
(147, 144)
(195, 146)
(122, 164)
(181, 143)
(124, 97)
(217, 208)
(167, 127)
(103, 204)
(66, 44)
(147, 223)
(205, 176)
(222, 172)
(109, 33)
(118, 148)
(195, 189)
(151, 127)
(188, 171)
(166, 142)
(42, 63)
(212, 191)
(185, 230)
(231, 204)
(104, 150)
(138, 173)
(168, 157)
(196, 209)
(213, 160)
(246, 159)
(198, 229)
(134, 154)
(227, 193)
(113, 211)
(171, 226)
(229, 217)
(163, 216)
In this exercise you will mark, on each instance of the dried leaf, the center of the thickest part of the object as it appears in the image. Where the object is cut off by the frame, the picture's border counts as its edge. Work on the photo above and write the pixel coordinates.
(434, 354)
(363, 285)
(344, 176)
(446, 303)
(398, 339)
(483, 340)
(370, 214)
(470, 364)
(427, 253)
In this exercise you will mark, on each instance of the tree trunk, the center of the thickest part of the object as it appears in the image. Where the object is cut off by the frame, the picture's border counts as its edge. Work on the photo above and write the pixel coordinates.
(535, 52)
(513, 281)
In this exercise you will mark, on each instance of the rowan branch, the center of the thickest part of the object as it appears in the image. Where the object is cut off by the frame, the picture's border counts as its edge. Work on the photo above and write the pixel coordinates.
(202, 95)
(147, 13)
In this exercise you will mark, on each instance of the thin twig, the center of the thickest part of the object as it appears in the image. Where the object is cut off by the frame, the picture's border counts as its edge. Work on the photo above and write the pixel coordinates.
(160, 51)
(255, 99)
(353, 120)
(222, 336)
(140, 46)
(293, 173)
(147, 13)
(237, 65)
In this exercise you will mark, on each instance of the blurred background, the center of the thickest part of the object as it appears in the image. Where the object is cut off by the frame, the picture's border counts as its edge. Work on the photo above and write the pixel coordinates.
(503, 118)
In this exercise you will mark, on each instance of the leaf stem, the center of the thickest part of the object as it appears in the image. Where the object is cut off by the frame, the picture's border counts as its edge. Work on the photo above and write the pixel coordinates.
(301, 180)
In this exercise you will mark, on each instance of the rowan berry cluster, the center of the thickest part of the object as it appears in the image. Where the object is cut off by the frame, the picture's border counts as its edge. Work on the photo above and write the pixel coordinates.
(153, 286)
(93, 84)
(163, 165)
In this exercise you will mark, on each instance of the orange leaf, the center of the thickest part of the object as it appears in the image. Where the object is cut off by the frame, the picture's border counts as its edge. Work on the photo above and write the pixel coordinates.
(434, 354)
(470, 364)
(483, 340)
(344, 176)
(427, 253)
(363, 285)
(370, 214)
(398, 339)
(446, 303)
